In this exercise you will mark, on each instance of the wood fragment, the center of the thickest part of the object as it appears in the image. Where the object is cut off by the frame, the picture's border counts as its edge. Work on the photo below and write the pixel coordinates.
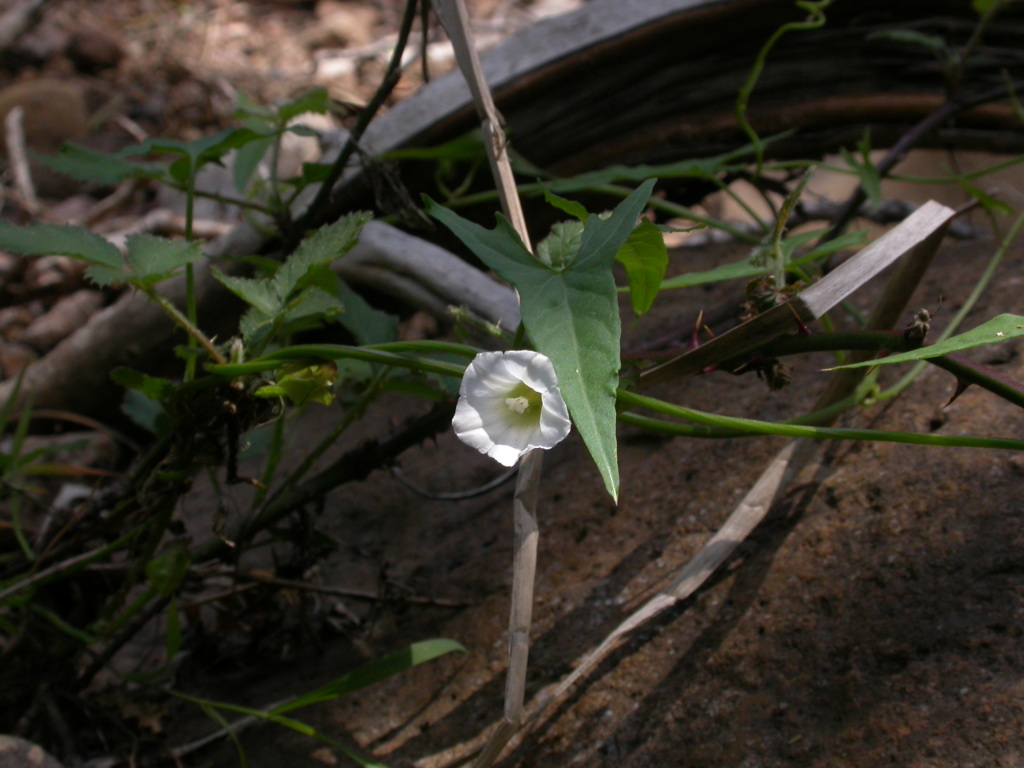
(17, 153)
(812, 302)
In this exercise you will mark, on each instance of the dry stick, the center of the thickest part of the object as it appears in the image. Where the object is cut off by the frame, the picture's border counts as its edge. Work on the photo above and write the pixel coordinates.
(17, 152)
(921, 237)
(455, 19)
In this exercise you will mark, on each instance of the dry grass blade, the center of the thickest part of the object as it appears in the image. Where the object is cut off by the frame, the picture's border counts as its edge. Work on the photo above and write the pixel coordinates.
(456, 21)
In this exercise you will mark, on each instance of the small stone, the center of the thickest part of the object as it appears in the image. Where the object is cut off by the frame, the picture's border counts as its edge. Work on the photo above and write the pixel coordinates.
(93, 48)
(351, 24)
(19, 753)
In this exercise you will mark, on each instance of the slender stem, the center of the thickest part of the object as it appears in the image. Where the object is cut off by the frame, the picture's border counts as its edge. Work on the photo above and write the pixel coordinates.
(755, 426)
(620, 191)
(190, 276)
(907, 142)
(814, 20)
(351, 414)
(188, 325)
(336, 352)
(968, 305)
(319, 210)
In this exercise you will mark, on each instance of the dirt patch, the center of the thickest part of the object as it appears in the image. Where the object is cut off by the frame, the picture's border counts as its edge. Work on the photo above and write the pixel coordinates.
(874, 618)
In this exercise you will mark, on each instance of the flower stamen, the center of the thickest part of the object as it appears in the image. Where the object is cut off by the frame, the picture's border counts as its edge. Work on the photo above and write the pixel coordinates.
(517, 404)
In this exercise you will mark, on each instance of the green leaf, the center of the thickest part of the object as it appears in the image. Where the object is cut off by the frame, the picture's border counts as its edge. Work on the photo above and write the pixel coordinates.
(571, 207)
(374, 672)
(469, 147)
(146, 413)
(50, 239)
(152, 387)
(153, 258)
(322, 247)
(76, 242)
(747, 268)
(998, 329)
(303, 383)
(932, 43)
(367, 324)
(311, 303)
(257, 293)
(570, 315)
(560, 247)
(981, 7)
(247, 160)
(870, 181)
(645, 258)
(313, 173)
(993, 205)
(314, 100)
(88, 165)
(255, 327)
(167, 572)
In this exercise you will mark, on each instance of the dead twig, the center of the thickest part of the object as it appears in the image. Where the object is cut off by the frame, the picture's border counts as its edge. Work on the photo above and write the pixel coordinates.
(17, 153)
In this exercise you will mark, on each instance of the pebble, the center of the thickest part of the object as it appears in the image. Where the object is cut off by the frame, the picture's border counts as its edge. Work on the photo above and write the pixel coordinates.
(19, 753)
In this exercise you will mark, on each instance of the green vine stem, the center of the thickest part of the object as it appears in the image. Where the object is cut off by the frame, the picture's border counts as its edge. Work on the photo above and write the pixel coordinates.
(385, 354)
(815, 19)
(752, 427)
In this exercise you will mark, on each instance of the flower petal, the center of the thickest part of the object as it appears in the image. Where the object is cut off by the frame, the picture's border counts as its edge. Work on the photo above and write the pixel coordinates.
(485, 420)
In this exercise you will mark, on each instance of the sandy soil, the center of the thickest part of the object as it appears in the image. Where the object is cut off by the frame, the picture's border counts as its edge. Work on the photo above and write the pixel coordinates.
(873, 619)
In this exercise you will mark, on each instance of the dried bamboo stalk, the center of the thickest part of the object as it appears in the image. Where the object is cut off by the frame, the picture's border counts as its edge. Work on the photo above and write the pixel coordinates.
(455, 19)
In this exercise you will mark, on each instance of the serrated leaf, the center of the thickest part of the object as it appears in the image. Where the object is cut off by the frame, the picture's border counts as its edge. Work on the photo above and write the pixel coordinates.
(257, 293)
(255, 326)
(645, 258)
(88, 165)
(311, 303)
(322, 247)
(570, 207)
(998, 329)
(153, 258)
(50, 239)
(104, 276)
(560, 247)
(570, 315)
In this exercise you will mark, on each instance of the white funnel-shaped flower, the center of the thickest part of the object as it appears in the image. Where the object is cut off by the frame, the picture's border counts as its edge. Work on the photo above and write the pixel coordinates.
(509, 403)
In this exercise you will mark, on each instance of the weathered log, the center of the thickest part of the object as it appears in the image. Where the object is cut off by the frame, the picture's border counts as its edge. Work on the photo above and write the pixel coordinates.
(646, 81)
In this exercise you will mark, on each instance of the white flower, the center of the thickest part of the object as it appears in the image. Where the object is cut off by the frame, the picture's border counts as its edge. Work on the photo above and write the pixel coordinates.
(509, 403)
